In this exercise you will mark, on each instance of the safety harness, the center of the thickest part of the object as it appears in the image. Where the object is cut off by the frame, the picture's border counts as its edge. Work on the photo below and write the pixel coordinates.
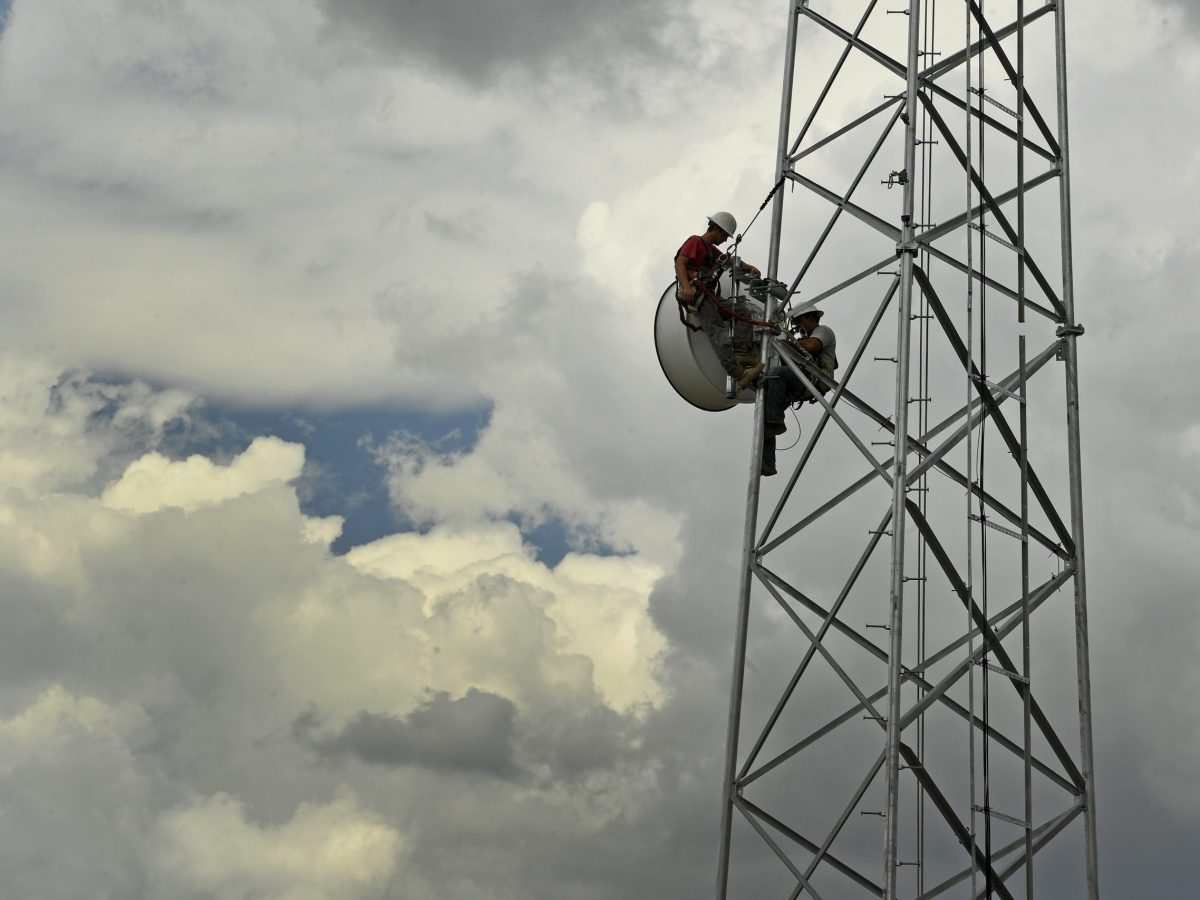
(714, 298)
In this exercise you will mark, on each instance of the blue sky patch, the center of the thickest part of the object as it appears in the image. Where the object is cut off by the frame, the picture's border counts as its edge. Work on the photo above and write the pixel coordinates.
(341, 475)
(551, 539)
(554, 539)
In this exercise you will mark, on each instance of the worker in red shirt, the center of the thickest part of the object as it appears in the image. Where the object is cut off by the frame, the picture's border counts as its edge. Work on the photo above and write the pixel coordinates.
(697, 258)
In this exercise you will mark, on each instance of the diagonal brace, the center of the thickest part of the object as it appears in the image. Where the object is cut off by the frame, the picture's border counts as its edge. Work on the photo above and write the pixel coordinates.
(881, 225)
(960, 830)
(1002, 426)
(969, 168)
(989, 636)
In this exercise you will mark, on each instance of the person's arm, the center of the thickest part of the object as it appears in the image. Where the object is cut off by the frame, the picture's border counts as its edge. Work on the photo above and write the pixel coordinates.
(811, 344)
(742, 264)
(820, 338)
(686, 290)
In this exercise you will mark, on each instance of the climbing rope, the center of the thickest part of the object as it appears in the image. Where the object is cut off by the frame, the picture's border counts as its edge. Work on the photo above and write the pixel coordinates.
(737, 242)
(725, 311)
(761, 207)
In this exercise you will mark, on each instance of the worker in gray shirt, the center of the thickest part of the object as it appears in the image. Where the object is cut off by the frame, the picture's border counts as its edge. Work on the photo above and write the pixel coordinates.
(783, 388)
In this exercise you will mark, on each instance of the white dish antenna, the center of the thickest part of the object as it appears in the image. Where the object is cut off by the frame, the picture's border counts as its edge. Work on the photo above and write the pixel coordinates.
(688, 359)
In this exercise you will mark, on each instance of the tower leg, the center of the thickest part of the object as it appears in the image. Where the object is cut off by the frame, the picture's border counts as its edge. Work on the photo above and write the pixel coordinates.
(729, 789)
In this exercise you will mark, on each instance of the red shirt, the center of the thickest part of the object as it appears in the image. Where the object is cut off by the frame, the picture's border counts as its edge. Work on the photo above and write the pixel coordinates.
(700, 256)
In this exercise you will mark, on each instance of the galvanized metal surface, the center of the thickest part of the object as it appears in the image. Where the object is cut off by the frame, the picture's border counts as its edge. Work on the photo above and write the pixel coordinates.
(924, 809)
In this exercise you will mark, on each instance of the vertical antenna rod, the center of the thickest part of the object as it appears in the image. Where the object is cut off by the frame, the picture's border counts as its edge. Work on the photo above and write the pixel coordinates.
(1071, 358)
(908, 252)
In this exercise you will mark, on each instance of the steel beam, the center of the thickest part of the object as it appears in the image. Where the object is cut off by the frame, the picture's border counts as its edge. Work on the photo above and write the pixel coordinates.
(886, 681)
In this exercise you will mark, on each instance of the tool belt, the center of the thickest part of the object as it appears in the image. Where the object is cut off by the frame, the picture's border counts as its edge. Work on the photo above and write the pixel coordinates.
(703, 287)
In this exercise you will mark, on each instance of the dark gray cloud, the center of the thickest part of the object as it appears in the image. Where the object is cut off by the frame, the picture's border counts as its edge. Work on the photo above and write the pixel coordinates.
(471, 734)
(578, 744)
(148, 205)
(1189, 9)
(480, 40)
(1143, 844)
(449, 229)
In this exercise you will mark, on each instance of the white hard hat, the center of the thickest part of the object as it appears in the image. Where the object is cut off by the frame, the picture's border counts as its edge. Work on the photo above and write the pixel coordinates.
(725, 221)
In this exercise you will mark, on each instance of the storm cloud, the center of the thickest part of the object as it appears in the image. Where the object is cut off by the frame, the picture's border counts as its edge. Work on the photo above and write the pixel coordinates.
(309, 208)
(471, 734)
(478, 41)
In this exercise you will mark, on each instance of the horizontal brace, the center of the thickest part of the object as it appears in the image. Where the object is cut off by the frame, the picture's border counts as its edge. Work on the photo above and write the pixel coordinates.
(942, 804)
(986, 196)
(1000, 199)
(865, 117)
(852, 280)
(847, 870)
(772, 843)
(1002, 426)
(896, 67)
(1042, 833)
(992, 641)
(992, 283)
(1017, 79)
(995, 124)
(883, 227)
(934, 693)
(953, 61)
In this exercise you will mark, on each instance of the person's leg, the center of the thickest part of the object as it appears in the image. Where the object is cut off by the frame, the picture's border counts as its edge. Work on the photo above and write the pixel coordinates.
(747, 350)
(717, 330)
(768, 456)
(783, 389)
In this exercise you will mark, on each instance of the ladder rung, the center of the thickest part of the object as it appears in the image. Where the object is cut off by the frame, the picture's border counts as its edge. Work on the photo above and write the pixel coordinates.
(990, 524)
(991, 813)
(999, 389)
(1005, 672)
(996, 103)
(998, 240)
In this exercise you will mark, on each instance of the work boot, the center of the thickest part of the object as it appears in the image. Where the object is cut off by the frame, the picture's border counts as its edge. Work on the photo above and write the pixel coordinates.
(746, 376)
(776, 428)
(768, 469)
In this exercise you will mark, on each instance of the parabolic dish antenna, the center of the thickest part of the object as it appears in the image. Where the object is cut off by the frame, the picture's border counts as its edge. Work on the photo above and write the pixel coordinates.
(688, 359)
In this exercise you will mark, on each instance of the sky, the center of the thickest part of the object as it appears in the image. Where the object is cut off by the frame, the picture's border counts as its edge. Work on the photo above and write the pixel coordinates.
(352, 543)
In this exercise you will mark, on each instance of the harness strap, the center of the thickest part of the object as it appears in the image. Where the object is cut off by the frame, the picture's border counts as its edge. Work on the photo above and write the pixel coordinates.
(726, 311)
(683, 307)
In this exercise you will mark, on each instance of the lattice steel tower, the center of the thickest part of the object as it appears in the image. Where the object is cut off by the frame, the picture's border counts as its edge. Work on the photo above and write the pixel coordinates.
(925, 558)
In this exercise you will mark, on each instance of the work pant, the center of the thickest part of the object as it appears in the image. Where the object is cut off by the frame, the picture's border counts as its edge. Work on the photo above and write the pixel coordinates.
(782, 389)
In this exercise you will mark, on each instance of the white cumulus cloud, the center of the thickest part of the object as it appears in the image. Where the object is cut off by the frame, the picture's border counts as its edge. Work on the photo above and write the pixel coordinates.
(154, 482)
(334, 851)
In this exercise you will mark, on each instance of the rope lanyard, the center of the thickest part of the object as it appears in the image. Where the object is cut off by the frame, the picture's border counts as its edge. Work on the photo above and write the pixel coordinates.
(726, 311)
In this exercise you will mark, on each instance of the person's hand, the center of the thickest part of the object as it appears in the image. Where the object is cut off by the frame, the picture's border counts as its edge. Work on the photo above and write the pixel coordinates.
(753, 270)
(688, 293)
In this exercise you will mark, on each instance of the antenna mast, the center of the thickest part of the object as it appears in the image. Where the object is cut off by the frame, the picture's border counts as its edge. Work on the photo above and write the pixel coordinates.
(930, 585)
